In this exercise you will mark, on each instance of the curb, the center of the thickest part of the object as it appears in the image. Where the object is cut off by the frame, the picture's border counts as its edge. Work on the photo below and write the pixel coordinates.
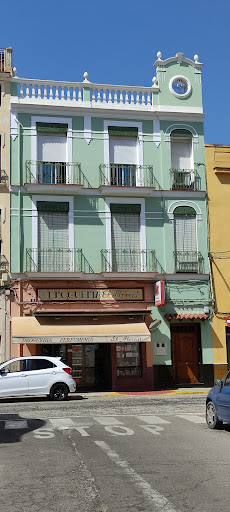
(115, 394)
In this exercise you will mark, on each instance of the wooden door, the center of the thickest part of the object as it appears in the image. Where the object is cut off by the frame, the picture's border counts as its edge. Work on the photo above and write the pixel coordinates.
(185, 358)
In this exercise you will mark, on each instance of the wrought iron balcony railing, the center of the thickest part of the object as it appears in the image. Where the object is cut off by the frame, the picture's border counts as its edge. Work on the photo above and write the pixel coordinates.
(127, 175)
(3, 177)
(3, 262)
(53, 173)
(5, 59)
(128, 260)
(188, 261)
(56, 260)
(184, 179)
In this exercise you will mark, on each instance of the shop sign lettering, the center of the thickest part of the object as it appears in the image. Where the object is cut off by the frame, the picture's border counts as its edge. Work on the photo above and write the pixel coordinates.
(91, 295)
(132, 338)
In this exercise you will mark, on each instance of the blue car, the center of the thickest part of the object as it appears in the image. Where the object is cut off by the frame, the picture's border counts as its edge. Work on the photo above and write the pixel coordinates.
(218, 403)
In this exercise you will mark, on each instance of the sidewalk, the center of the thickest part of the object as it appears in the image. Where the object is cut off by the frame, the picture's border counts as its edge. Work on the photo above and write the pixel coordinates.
(165, 392)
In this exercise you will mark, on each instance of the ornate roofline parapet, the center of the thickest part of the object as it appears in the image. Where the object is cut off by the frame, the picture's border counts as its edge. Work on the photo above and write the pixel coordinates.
(179, 59)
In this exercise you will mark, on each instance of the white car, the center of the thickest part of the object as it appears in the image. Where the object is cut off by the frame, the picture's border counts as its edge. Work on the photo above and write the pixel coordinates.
(36, 375)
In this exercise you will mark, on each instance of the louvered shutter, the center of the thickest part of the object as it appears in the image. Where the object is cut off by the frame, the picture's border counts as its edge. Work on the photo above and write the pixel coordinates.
(185, 233)
(126, 255)
(53, 241)
(51, 147)
(123, 150)
(181, 154)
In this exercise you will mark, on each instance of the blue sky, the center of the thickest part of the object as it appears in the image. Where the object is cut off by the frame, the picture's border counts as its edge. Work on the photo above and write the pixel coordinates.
(117, 42)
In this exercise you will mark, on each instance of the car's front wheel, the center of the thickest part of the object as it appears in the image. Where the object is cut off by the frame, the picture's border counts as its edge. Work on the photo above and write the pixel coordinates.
(59, 391)
(211, 416)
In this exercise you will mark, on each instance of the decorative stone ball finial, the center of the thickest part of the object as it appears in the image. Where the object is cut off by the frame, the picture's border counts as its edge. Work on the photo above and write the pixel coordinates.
(196, 58)
(154, 81)
(159, 55)
(86, 76)
(14, 70)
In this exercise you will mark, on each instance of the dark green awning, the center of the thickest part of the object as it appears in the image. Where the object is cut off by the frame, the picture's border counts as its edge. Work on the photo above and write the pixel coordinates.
(50, 206)
(52, 127)
(123, 131)
(125, 208)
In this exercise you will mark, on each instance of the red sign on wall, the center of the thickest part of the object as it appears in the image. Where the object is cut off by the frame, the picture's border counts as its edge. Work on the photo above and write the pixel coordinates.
(228, 320)
(159, 293)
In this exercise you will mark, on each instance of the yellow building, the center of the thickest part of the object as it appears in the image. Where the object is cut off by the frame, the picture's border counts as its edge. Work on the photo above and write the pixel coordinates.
(218, 191)
(5, 84)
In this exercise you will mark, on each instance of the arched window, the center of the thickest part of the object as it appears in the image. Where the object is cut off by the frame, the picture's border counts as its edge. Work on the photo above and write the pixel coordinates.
(185, 239)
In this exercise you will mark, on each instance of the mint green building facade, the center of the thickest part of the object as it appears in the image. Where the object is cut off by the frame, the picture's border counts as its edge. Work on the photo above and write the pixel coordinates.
(108, 192)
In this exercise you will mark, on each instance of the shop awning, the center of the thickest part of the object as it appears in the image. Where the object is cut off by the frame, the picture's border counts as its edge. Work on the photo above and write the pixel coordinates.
(186, 316)
(46, 330)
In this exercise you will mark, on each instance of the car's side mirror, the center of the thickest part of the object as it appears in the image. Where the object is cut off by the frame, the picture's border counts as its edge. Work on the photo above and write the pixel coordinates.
(218, 382)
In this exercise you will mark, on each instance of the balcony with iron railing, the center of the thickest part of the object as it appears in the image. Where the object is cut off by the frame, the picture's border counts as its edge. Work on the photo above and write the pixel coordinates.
(56, 260)
(5, 60)
(188, 261)
(53, 173)
(3, 177)
(127, 175)
(128, 260)
(3, 262)
(185, 179)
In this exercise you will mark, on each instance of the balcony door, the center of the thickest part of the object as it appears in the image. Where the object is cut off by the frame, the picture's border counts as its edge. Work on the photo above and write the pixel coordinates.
(54, 254)
(182, 162)
(51, 158)
(123, 161)
(125, 238)
(185, 237)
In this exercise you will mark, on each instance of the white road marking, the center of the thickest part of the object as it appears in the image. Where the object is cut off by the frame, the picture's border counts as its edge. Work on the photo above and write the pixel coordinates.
(124, 431)
(44, 433)
(63, 423)
(154, 429)
(154, 497)
(107, 420)
(192, 417)
(14, 424)
(152, 420)
(82, 431)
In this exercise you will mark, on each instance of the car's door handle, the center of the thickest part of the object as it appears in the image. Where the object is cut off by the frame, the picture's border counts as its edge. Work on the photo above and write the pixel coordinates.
(23, 375)
(54, 373)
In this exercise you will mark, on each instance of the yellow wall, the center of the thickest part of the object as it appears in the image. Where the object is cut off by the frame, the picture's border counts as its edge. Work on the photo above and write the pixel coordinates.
(218, 190)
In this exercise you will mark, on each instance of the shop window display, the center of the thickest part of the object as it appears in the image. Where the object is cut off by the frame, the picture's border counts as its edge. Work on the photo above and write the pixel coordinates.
(128, 360)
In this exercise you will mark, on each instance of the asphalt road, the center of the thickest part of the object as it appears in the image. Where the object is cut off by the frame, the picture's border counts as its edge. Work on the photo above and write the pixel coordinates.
(100, 454)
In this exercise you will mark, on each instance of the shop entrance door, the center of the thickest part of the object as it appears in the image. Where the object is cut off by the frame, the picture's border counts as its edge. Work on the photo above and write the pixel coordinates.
(91, 364)
(185, 355)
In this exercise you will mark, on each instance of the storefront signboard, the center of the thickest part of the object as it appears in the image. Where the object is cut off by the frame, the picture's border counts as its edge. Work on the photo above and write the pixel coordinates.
(90, 294)
(96, 338)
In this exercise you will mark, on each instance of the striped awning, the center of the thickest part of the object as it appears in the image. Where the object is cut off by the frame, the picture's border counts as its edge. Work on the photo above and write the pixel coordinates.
(186, 316)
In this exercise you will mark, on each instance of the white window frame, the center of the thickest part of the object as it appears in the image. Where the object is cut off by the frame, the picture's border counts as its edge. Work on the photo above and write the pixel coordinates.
(69, 138)
(127, 200)
(58, 199)
(125, 124)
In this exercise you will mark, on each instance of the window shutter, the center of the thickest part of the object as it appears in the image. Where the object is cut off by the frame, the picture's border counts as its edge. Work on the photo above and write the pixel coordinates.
(53, 230)
(181, 154)
(123, 150)
(125, 231)
(51, 147)
(185, 233)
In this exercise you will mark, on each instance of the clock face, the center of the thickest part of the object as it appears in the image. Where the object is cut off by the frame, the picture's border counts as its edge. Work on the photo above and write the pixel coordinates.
(180, 86)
